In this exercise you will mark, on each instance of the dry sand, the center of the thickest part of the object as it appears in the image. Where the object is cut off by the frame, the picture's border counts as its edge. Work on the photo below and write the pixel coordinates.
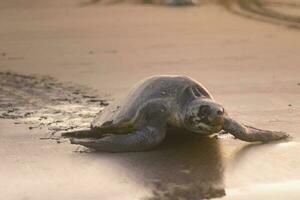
(250, 66)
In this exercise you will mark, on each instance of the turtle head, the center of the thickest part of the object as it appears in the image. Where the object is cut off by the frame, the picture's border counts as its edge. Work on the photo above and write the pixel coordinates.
(204, 116)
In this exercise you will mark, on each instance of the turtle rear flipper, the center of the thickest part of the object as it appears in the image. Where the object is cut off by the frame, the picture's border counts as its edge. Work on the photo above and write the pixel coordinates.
(88, 133)
(251, 134)
(141, 140)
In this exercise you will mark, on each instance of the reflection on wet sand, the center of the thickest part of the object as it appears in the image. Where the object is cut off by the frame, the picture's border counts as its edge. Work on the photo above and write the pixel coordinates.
(264, 171)
(183, 167)
(242, 153)
(238, 156)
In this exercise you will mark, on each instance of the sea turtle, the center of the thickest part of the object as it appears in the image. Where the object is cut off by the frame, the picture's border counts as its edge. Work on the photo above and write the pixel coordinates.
(138, 122)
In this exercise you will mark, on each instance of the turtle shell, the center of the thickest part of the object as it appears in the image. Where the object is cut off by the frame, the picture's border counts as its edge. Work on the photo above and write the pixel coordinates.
(122, 114)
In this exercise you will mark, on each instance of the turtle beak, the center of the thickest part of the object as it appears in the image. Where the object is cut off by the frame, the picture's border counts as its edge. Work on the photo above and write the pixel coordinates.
(214, 121)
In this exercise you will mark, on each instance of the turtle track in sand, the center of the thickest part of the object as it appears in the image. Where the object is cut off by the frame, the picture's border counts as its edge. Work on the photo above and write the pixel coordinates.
(259, 10)
(43, 102)
(263, 10)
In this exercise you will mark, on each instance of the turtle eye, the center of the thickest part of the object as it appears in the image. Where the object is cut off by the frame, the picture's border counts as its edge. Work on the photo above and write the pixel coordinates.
(204, 111)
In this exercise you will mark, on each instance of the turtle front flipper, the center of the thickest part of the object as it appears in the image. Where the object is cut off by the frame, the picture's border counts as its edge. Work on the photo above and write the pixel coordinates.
(251, 134)
(141, 140)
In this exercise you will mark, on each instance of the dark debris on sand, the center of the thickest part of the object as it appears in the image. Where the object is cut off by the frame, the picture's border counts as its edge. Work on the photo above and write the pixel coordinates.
(44, 102)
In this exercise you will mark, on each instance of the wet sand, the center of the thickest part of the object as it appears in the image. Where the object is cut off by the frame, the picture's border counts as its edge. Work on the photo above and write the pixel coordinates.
(250, 66)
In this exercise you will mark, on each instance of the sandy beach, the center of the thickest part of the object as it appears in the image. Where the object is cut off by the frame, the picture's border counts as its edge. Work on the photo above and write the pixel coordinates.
(247, 57)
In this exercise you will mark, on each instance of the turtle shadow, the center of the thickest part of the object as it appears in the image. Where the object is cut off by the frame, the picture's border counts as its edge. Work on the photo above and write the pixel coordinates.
(183, 167)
